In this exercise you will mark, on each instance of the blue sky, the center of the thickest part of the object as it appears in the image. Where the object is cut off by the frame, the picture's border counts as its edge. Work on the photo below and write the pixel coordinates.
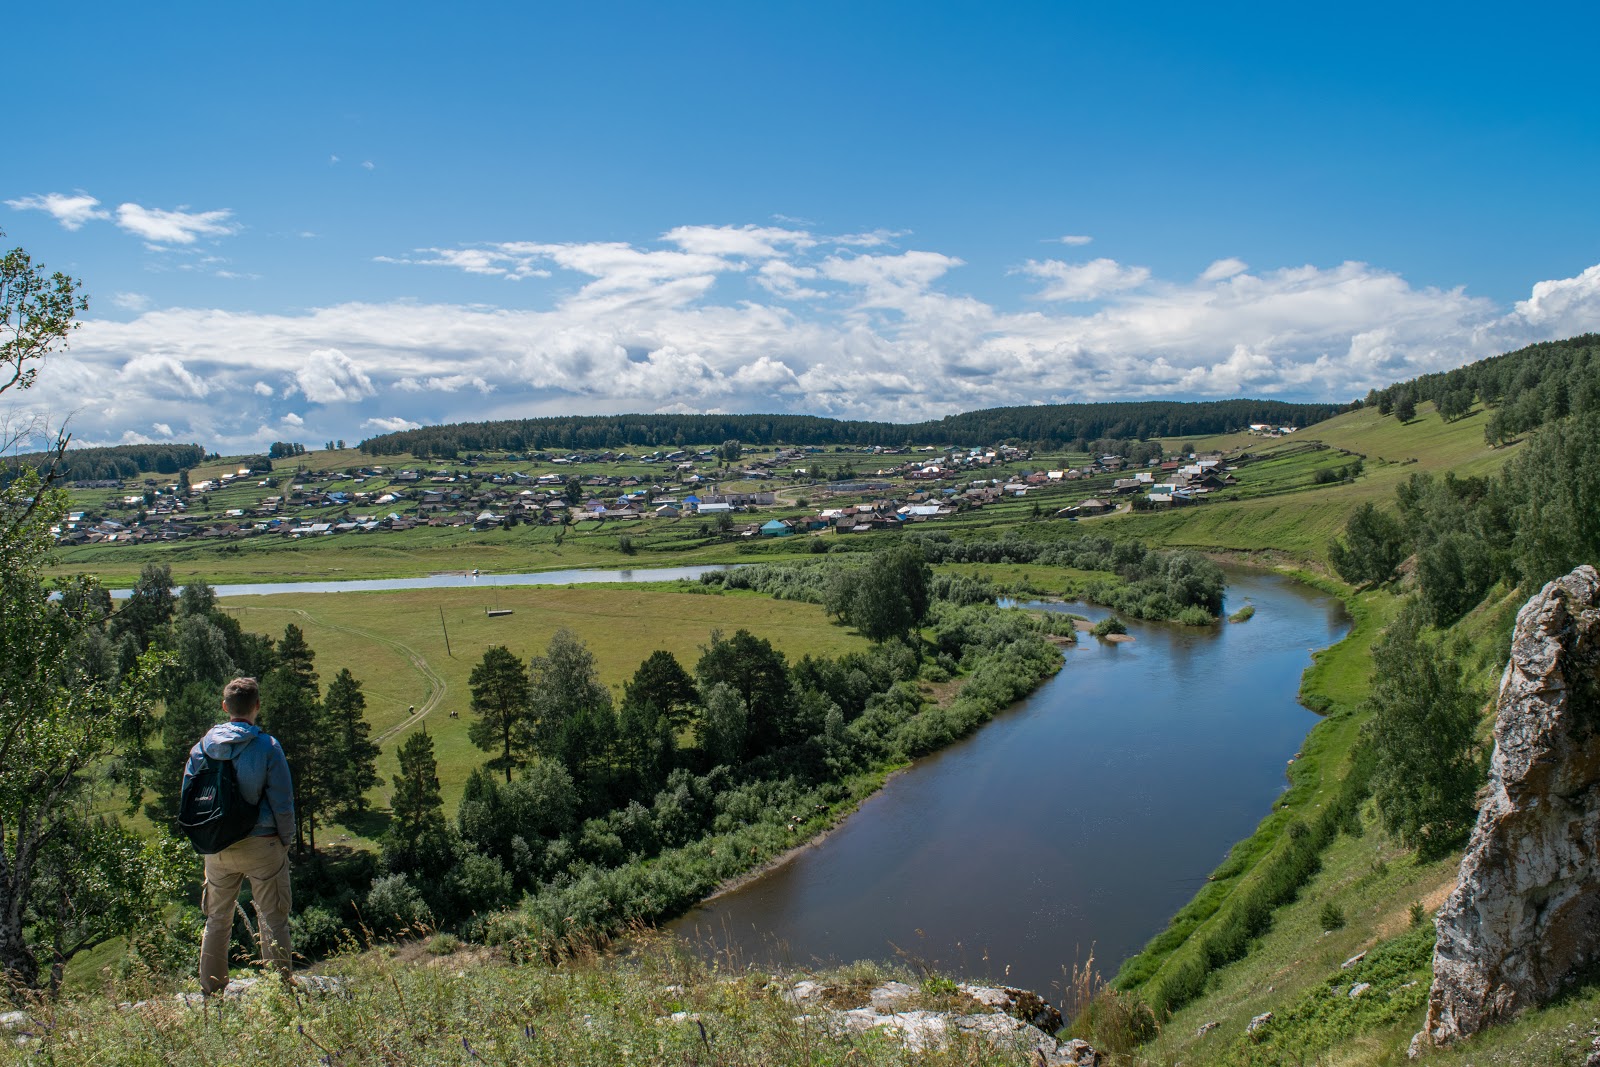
(305, 222)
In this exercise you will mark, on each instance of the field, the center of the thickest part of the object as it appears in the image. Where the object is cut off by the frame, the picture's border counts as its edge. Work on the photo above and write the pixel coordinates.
(1297, 520)
(394, 644)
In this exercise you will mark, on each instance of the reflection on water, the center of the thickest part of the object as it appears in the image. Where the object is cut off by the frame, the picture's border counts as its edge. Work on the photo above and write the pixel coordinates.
(1079, 820)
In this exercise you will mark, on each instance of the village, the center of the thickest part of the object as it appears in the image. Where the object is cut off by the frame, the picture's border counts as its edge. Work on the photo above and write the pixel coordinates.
(809, 492)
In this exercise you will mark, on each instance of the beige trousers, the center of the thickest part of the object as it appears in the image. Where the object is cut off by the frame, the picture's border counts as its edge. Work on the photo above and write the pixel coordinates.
(265, 861)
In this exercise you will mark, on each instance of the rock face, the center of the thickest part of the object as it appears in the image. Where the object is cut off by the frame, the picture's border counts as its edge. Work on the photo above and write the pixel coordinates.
(1525, 913)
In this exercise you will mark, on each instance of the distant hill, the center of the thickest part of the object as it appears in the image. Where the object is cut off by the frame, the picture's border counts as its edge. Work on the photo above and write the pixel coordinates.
(117, 463)
(1054, 425)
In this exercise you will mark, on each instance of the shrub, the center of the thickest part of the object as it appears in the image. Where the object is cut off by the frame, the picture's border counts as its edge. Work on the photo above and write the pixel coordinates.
(1331, 916)
(1196, 616)
(316, 931)
(1110, 625)
(395, 905)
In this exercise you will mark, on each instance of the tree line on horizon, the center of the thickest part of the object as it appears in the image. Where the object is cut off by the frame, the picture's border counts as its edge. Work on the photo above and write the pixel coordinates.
(1522, 390)
(1052, 426)
(112, 463)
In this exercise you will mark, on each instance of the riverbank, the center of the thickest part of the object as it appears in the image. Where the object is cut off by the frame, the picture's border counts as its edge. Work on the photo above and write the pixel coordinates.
(1086, 818)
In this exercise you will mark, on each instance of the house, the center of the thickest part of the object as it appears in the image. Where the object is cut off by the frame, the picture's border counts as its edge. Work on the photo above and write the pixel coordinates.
(777, 528)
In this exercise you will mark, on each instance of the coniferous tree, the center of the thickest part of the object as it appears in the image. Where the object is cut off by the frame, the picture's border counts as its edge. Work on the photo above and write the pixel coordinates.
(418, 839)
(759, 674)
(500, 699)
(292, 711)
(354, 756)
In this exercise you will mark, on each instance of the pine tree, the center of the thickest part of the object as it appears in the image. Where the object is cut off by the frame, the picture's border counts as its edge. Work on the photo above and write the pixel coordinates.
(354, 763)
(418, 838)
(291, 709)
(500, 699)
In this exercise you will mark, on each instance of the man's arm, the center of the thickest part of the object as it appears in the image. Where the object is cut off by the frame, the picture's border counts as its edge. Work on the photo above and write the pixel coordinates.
(279, 793)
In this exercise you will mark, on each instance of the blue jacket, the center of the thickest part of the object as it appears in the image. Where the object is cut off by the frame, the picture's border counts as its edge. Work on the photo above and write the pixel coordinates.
(262, 770)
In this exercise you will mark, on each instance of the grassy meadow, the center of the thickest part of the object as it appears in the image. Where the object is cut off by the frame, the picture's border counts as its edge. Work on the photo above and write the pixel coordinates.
(1294, 519)
(394, 644)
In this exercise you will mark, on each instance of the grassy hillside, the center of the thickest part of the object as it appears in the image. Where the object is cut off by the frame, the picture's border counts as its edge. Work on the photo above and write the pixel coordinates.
(1298, 523)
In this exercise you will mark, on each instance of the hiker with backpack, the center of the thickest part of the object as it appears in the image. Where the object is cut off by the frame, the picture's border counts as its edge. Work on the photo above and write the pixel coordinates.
(237, 809)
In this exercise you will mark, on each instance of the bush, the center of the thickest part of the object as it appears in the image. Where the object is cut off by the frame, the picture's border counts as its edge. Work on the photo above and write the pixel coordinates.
(1331, 917)
(1109, 625)
(316, 931)
(394, 905)
(1196, 616)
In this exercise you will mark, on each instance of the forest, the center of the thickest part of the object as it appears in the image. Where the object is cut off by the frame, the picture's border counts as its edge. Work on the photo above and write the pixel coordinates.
(116, 463)
(1046, 426)
(1524, 389)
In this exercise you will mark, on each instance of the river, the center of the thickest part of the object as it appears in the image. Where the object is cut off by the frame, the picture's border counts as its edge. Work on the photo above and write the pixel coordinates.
(458, 579)
(1083, 817)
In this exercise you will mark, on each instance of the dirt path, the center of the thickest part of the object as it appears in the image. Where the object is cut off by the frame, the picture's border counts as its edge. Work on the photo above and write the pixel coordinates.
(437, 687)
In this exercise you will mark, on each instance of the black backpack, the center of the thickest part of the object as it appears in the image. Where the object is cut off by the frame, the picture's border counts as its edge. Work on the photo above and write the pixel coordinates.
(212, 812)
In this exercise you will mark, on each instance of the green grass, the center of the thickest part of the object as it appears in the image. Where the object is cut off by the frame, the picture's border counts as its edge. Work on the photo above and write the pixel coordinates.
(410, 1006)
(394, 644)
(1297, 521)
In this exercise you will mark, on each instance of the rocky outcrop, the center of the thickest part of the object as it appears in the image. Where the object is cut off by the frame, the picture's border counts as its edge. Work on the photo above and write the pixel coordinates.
(1525, 913)
(999, 1016)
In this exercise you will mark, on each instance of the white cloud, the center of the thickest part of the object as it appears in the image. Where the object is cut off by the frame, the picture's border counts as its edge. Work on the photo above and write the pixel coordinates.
(71, 210)
(390, 425)
(1222, 269)
(291, 419)
(755, 242)
(1075, 239)
(174, 227)
(332, 160)
(1084, 281)
(328, 376)
(813, 329)
(131, 301)
(368, 164)
(161, 428)
(1565, 305)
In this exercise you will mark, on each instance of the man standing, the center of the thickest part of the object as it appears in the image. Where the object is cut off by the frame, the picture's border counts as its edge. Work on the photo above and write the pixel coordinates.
(263, 856)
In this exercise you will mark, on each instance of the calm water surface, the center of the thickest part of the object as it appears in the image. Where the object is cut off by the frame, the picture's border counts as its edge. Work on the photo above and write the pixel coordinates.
(456, 579)
(1084, 816)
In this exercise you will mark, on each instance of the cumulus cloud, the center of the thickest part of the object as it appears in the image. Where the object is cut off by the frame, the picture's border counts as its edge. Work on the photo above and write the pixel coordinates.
(162, 428)
(1565, 305)
(72, 210)
(178, 227)
(328, 376)
(291, 419)
(693, 323)
(1084, 281)
(393, 424)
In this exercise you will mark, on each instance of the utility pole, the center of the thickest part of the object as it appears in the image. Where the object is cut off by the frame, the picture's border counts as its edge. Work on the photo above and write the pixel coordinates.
(452, 655)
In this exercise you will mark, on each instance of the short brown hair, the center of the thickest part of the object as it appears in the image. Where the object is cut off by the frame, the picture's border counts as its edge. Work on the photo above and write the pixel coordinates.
(241, 696)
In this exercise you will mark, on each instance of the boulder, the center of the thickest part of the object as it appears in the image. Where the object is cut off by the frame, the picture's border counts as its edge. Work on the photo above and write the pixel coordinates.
(1525, 912)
